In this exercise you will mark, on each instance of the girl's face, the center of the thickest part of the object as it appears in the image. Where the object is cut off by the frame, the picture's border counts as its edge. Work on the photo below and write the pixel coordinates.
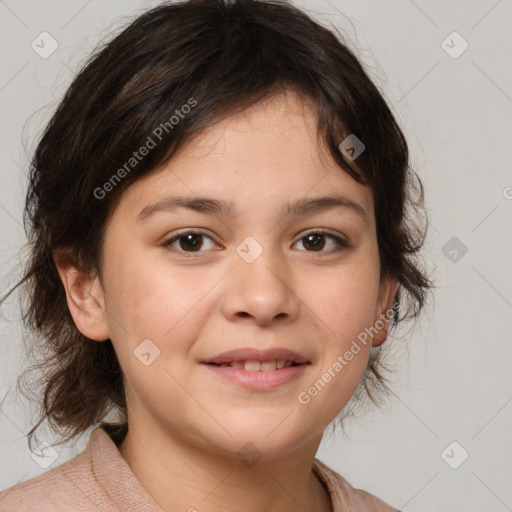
(256, 276)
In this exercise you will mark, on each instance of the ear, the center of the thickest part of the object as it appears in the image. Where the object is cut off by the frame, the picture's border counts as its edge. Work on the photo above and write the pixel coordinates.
(387, 292)
(84, 296)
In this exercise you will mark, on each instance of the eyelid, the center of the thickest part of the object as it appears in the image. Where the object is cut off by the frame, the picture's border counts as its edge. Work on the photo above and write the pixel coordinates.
(342, 243)
(185, 231)
(324, 231)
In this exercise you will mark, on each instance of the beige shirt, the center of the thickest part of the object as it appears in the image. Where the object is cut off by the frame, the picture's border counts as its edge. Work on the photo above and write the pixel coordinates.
(99, 479)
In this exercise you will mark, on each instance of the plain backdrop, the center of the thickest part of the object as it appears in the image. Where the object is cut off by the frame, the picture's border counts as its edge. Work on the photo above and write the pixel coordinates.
(453, 375)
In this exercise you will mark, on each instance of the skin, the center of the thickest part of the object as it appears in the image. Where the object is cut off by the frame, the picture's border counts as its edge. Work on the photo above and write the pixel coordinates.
(186, 424)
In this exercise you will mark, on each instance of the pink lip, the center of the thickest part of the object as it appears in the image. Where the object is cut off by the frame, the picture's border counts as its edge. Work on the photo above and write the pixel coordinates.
(259, 380)
(255, 354)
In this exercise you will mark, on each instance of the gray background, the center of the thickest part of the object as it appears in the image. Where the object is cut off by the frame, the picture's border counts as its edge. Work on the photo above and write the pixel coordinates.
(453, 375)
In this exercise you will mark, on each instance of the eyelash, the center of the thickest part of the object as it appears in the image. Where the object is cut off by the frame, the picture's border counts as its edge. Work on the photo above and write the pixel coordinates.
(341, 243)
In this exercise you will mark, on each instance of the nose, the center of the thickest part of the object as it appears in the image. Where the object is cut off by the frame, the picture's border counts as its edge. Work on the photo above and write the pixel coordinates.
(260, 291)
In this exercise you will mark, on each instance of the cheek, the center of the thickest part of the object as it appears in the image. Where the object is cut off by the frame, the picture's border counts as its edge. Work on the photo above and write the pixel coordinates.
(149, 299)
(343, 300)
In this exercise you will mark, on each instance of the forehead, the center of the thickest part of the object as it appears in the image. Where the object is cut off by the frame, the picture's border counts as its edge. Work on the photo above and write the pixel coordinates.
(266, 156)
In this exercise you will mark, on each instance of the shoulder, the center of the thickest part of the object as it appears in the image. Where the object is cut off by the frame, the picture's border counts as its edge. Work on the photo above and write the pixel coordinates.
(344, 496)
(69, 486)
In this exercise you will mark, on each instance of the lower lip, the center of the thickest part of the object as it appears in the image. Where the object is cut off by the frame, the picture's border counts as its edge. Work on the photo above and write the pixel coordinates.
(259, 380)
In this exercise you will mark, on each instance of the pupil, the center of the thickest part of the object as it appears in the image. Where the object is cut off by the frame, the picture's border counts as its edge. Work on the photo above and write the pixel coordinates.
(192, 240)
(316, 244)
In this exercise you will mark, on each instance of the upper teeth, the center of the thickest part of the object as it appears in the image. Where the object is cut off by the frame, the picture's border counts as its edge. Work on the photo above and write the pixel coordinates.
(266, 366)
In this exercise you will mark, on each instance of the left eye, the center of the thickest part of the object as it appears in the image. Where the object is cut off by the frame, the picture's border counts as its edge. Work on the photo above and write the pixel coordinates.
(193, 242)
(314, 240)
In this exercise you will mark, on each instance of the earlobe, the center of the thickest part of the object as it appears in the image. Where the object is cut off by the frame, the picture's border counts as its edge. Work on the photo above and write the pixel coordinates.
(84, 297)
(387, 295)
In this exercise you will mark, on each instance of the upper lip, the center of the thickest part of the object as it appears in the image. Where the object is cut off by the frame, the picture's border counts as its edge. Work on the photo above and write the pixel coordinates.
(255, 354)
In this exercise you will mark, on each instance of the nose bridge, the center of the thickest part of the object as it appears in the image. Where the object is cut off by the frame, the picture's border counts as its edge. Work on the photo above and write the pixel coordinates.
(259, 282)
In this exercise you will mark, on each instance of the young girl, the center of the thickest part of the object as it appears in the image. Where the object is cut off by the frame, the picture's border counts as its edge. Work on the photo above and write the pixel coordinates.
(219, 245)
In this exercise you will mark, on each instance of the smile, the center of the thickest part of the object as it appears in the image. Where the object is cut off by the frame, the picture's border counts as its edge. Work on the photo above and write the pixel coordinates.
(264, 366)
(256, 375)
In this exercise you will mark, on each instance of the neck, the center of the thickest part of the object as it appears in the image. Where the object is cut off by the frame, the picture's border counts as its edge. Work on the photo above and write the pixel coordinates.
(181, 476)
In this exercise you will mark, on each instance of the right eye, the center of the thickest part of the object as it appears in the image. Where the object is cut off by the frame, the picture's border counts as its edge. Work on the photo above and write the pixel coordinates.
(187, 241)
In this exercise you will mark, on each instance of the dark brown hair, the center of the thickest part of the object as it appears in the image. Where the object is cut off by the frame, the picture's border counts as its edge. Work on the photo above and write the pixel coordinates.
(219, 57)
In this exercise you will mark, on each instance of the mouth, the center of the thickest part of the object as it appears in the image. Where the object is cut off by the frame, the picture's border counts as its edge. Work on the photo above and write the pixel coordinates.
(262, 366)
(258, 375)
(253, 360)
(259, 369)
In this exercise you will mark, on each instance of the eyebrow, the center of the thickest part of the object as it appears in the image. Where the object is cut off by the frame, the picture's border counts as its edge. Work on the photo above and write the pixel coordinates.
(217, 207)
